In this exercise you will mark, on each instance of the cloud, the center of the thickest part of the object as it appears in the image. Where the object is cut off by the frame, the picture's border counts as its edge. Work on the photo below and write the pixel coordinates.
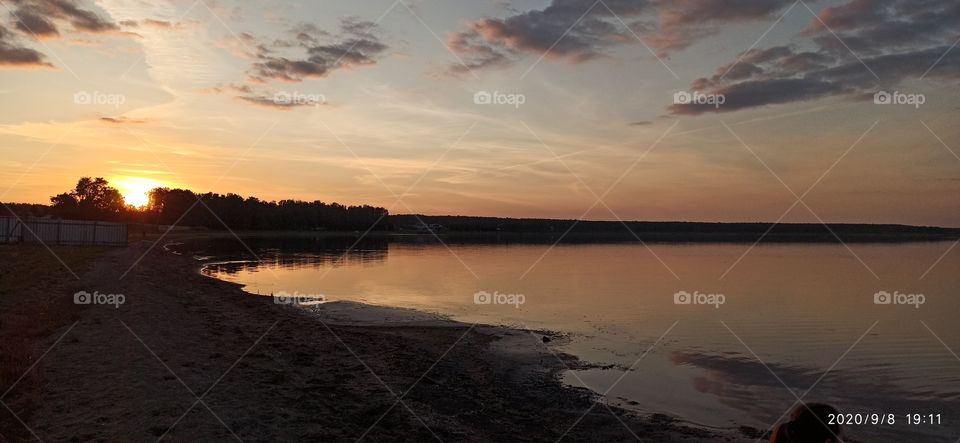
(895, 41)
(121, 120)
(273, 103)
(778, 61)
(231, 87)
(280, 100)
(572, 30)
(149, 22)
(698, 12)
(580, 30)
(356, 45)
(683, 22)
(41, 19)
(845, 79)
(848, 16)
(35, 25)
(895, 68)
(873, 27)
(478, 54)
(16, 56)
(163, 24)
(38, 17)
(755, 93)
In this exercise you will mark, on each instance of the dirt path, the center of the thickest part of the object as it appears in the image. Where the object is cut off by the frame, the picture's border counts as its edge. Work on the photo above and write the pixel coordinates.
(272, 372)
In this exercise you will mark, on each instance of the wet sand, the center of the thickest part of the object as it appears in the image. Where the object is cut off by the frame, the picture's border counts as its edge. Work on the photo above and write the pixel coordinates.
(191, 358)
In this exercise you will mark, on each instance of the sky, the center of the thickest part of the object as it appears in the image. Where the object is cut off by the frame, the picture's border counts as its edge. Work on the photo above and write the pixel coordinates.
(700, 110)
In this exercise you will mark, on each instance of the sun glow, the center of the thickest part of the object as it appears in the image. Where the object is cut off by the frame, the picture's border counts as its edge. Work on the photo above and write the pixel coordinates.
(136, 190)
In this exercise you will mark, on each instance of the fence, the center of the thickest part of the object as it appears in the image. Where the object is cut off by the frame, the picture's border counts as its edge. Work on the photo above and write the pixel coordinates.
(62, 232)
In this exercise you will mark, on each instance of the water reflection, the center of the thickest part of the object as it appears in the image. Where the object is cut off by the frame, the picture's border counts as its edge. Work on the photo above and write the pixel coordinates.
(227, 256)
(760, 390)
(799, 307)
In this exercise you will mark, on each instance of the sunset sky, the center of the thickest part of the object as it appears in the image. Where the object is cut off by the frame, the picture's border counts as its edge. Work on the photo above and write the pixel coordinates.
(365, 101)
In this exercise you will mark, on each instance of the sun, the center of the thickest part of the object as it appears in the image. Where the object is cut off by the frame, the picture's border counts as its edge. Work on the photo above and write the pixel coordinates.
(136, 190)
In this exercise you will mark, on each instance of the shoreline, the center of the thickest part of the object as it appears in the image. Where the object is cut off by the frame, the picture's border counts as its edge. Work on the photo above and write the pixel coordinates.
(353, 313)
(264, 371)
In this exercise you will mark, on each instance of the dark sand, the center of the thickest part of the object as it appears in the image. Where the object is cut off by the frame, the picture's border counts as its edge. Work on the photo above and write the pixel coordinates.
(281, 373)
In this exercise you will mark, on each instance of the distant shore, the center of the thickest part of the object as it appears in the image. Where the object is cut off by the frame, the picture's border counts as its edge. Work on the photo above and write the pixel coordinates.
(334, 372)
(674, 231)
(760, 235)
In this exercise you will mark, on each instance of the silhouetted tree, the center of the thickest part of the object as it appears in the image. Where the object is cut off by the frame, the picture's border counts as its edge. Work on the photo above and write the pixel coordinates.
(92, 199)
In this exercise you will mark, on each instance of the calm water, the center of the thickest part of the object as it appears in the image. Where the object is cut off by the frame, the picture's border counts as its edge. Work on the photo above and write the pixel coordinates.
(790, 312)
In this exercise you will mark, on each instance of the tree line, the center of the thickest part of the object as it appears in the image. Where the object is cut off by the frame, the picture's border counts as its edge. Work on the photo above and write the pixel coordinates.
(185, 208)
(95, 199)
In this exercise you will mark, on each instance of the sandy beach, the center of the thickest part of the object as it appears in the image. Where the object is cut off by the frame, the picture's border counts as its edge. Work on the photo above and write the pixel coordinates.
(187, 358)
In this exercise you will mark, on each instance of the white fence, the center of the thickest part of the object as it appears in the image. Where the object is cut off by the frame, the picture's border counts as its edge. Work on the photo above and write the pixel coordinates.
(62, 232)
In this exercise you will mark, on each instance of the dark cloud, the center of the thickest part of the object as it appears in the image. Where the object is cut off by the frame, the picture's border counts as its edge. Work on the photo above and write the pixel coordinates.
(872, 27)
(119, 120)
(749, 94)
(699, 12)
(877, 46)
(148, 23)
(581, 30)
(684, 22)
(12, 54)
(895, 68)
(41, 19)
(303, 34)
(35, 25)
(162, 24)
(478, 53)
(574, 30)
(923, 20)
(43, 14)
(232, 87)
(281, 68)
(850, 15)
(357, 44)
(775, 62)
(273, 103)
(846, 79)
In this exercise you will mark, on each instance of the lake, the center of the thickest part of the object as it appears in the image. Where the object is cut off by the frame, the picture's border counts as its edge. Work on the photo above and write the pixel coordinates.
(713, 336)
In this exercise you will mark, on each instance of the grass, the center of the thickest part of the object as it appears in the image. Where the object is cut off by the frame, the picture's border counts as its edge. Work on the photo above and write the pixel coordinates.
(35, 301)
